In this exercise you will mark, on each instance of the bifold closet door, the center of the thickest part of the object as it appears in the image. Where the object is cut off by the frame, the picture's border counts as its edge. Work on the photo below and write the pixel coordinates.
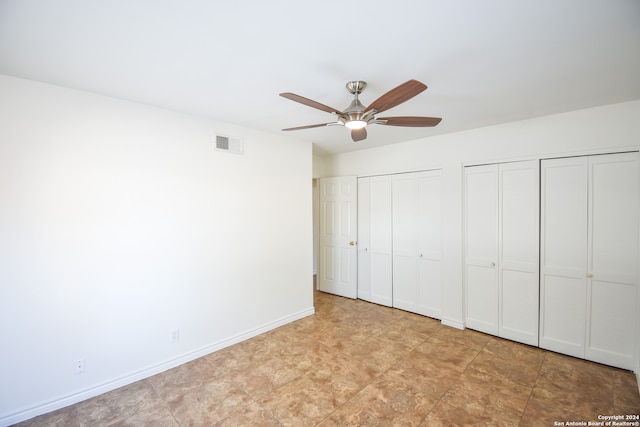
(417, 283)
(481, 248)
(375, 271)
(501, 249)
(612, 266)
(518, 243)
(364, 260)
(589, 258)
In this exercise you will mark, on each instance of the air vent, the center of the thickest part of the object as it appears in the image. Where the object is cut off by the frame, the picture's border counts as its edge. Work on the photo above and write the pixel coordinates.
(222, 142)
(229, 144)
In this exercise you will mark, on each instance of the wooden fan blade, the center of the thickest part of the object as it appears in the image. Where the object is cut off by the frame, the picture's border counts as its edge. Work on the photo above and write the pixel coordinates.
(358, 134)
(310, 103)
(410, 121)
(310, 126)
(397, 96)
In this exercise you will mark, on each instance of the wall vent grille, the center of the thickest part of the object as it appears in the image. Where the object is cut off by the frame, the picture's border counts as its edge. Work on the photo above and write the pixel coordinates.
(229, 144)
(222, 142)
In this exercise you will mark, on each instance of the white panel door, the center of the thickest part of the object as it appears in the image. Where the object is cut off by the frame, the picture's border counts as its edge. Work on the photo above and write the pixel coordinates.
(406, 223)
(612, 270)
(481, 248)
(417, 243)
(563, 255)
(430, 244)
(518, 281)
(338, 235)
(364, 240)
(380, 240)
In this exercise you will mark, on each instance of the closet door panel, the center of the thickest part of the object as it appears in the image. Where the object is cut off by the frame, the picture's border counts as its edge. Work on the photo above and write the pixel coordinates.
(519, 215)
(481, 230)
(519, 307)
(405, 241)
(562, 321)
(430, 214)
(613, 217)
(563, 255)
(519, 201)
(564, 216)
(430, 288)
(405, 279)
(364, 259)
(482, 300)
(430, 244)
(381, 240)
(613, 259)
(612, 318)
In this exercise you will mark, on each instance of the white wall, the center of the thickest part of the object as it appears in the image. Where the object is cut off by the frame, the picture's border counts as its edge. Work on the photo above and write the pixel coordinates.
(605, 129)
(119, 223)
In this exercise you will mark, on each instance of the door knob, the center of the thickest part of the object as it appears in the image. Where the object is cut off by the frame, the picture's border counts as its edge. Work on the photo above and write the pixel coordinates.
(589, 276)
(492, 264)
(351, 243)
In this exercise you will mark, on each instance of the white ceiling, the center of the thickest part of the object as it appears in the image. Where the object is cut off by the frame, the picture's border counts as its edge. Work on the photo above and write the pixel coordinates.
(485, 62)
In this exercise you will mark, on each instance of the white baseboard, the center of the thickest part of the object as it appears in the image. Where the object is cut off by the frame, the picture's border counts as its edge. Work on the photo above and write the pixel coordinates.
(453, 323)
(147, 372)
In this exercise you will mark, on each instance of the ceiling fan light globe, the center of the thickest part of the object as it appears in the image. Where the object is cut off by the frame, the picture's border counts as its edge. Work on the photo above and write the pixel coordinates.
(355, 124)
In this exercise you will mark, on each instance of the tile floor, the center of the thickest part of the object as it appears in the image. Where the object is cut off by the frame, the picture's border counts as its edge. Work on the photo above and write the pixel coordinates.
(359, 364)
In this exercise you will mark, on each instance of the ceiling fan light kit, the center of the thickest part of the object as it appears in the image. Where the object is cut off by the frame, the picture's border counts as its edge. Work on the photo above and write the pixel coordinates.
(356, 116)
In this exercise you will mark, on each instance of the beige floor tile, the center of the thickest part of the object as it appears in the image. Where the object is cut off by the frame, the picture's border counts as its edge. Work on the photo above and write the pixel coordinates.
(421, 372)
(120, 404)
(465, 337)
(207, 404)
(509, 369)
(488, 397)
(448, 354)
(385, 402)
(444, 415)
(252, 415)
(303, 402)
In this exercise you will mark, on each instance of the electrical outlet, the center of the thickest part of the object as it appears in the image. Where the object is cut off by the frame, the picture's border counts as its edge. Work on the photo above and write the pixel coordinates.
(175, 335)
(80, 368)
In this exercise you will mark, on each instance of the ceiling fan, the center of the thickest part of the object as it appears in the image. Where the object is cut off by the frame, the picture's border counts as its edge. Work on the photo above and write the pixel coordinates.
(356, 116)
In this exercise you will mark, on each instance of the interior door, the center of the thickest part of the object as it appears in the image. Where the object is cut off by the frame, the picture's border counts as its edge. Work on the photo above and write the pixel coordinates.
(612, 266)
(338, 236)
(481, 248)
(563, 255)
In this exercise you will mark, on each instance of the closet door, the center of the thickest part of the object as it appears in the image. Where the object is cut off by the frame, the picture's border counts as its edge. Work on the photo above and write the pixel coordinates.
(518, 264)
(481, 248)
(380, 240)
(589, 258)
(501, 275)
(430, 244)
(563, 255)
(405, 241)
(612, 260)
(364, 240)
(417, 283)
